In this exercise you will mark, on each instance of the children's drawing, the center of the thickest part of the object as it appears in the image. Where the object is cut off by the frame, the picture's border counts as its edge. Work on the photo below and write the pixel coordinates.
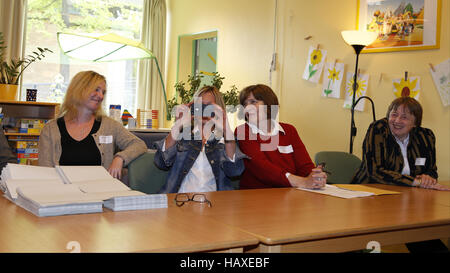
(332, 80)
(441, 79)
(407, 88)
(314, 65)
(361, 89)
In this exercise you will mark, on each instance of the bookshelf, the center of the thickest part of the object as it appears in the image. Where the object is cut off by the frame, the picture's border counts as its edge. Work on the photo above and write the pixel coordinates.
(27, 110)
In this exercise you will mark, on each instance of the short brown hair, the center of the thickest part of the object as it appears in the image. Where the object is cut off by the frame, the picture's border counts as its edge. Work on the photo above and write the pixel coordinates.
(263, 93)
(411, 104)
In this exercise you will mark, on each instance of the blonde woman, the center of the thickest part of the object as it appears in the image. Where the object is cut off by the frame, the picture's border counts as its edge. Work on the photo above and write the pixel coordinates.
(200, 152)
(83, 135)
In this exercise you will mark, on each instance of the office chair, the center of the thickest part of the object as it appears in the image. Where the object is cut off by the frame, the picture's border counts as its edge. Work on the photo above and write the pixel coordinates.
(342, 165)
(144, 176)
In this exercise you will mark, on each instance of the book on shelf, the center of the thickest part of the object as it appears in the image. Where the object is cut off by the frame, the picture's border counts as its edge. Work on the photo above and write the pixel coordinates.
(47, 191)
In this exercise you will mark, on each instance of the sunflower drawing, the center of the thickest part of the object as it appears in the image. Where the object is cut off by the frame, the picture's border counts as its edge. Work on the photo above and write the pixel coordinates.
(315, 58)
(406, 88)
(333, 76)
(360, 87)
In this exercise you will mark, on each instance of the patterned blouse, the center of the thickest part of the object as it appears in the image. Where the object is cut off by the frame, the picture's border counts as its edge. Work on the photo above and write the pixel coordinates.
(383, 161)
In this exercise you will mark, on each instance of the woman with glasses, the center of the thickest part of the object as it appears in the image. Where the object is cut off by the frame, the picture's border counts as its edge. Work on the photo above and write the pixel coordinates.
(277, 156)
(200, 152)
(83, 134)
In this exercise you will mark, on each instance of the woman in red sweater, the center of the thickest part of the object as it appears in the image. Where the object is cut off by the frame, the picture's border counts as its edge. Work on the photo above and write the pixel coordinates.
(277, 156)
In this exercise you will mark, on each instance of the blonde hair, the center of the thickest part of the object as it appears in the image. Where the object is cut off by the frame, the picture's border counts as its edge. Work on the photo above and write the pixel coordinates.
(80, 88)
(215, 92)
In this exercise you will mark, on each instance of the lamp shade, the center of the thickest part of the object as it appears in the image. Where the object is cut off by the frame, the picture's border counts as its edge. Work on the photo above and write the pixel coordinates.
(101, 47)
(358, 37)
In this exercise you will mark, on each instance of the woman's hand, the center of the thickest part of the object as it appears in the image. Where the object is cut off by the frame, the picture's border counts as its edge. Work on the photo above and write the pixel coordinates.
(317, 179)
(182, 119)
(116, 167)
(183, 116)
(221, 122)
(426, 181)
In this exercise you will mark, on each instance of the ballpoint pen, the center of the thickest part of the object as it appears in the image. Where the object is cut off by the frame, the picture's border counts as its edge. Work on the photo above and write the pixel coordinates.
(322, 164)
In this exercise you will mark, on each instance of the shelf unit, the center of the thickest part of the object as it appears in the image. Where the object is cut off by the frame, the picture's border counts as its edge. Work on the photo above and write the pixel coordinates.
(28, 109)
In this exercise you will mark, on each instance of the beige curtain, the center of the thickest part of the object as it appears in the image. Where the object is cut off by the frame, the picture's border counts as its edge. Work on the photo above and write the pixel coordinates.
(12, 25)
(153, 36)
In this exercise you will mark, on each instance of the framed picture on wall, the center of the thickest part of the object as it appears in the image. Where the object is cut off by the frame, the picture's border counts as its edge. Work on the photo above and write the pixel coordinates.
(401, 24)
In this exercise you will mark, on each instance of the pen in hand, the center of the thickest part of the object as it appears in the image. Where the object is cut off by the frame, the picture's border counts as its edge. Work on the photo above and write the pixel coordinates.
(322, 165)
(320, 181)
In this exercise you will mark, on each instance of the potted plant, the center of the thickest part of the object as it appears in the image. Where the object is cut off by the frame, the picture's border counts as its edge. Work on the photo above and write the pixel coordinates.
(10, 71)
(230, 97)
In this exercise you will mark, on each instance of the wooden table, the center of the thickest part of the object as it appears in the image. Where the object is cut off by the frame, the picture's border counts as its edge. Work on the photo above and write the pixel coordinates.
(291, 220)
(157, 230)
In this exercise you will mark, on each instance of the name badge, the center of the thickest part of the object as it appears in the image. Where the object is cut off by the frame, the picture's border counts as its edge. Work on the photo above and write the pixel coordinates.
(285, 149)
(106, 139)
(420, 161)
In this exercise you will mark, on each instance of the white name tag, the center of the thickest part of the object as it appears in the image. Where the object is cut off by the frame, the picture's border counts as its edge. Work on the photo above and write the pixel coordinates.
(285, 149)
(106, 139)
(420, 161)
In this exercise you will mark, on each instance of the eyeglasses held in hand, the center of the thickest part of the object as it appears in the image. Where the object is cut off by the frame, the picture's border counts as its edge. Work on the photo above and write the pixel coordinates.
(182, 198)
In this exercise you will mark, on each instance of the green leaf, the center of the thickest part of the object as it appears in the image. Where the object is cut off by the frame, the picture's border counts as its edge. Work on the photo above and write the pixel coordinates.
(312, 73)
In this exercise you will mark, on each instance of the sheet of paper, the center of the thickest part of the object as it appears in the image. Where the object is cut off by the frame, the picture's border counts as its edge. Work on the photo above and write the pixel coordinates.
(108, 195)
(13, 184)
(55, 194)
(83, 173)
(314, 64)
(361, 90)
(332, 80)
(338, 192)
(19, 171)
(373, 190)
(441, 78)
(109, 185)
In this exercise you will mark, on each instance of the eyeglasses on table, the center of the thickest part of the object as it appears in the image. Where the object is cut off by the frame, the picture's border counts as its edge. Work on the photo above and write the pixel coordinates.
(182, 198)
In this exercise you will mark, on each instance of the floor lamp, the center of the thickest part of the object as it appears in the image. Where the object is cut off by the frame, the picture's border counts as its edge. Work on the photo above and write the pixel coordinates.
(106, 48)
(358, 40)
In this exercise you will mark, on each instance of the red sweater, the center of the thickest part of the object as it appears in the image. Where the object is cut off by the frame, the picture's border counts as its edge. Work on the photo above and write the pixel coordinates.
(267, 169)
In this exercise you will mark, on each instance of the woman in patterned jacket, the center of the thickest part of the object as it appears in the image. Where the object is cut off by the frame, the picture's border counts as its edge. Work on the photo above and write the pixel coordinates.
(397, 150)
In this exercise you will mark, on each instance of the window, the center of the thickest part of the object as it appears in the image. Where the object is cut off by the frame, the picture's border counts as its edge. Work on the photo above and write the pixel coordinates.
(205, 55)
(52, 75)
(197, 54)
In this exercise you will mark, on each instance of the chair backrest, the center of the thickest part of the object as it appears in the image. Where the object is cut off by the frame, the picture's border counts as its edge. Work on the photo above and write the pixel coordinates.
(342, 165)
(144, 176)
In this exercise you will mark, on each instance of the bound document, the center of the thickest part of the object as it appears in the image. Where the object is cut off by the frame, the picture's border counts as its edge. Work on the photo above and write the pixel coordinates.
(56, 200)
(62, 190)
(150, 201)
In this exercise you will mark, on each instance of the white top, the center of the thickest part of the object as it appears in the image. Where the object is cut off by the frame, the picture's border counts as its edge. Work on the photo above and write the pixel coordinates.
(200, 177)
(403, 146)
(276, 127)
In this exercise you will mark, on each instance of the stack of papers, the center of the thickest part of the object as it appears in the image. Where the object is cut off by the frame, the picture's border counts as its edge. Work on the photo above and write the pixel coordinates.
(349, 191)
(151, 201)
(56, 200)
(64, 190)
